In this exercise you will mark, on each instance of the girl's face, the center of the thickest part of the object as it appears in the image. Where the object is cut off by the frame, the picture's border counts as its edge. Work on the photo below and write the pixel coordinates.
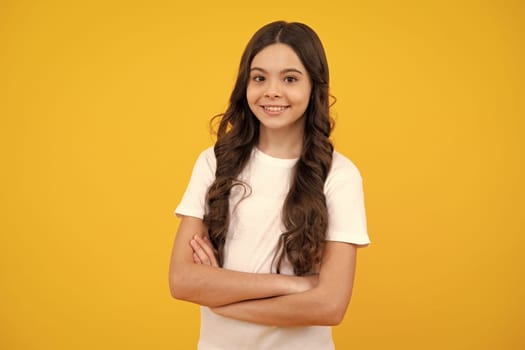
(279, 89)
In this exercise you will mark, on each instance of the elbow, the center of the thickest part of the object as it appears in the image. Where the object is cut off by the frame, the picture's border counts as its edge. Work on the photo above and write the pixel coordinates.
(180, 289)
(180, 284)
(334, 313)
(334, 317)
(174, 288)
(177, 286)
(333, 306)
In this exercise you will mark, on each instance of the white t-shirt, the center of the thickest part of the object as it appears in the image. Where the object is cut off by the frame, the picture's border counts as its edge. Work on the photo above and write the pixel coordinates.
(252, 240)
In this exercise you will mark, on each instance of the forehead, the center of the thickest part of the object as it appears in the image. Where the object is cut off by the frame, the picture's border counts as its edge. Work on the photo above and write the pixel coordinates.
(277, 57)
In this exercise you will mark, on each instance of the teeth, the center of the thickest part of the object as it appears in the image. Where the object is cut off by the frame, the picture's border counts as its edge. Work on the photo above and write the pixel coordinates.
(274, 108)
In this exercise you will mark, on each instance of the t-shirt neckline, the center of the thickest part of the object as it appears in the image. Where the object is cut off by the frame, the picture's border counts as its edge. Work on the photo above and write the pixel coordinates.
(287, 162)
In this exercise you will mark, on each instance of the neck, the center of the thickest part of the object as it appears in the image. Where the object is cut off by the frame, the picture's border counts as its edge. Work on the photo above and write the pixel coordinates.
(280, 144)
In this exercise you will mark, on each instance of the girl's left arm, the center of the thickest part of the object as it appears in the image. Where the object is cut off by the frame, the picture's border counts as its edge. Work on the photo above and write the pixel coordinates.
(324, 304)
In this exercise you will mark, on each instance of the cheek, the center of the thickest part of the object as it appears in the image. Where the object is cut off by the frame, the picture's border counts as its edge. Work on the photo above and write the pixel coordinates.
(251, 94)
(301, 97)
(251, 98)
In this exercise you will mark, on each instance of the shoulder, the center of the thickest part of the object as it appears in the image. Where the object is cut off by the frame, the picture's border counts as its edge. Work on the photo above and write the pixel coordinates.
(207, 158)
(205, 164)
(343, 168)
(343, 174)
(208, 153)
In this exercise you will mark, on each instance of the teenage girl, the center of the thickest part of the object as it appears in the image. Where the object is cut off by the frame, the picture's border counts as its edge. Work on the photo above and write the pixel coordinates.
(272, 215)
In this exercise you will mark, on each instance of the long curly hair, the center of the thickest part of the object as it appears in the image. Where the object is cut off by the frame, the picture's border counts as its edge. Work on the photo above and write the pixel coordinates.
(304, 213)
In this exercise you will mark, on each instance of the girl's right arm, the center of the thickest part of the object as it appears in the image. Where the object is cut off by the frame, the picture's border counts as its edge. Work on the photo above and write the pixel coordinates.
(213, 286)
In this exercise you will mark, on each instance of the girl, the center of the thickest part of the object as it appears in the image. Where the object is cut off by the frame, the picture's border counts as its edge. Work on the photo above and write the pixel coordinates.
(272, 216)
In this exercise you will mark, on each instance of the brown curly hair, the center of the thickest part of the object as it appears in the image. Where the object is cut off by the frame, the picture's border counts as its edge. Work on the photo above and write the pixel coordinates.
(304, 213)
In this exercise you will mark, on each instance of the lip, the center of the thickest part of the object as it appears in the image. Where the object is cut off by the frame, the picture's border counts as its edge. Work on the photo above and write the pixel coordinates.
(274, 110)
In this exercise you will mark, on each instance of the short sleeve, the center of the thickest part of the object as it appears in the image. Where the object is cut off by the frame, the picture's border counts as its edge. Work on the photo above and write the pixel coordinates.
(193, 201)
(345, 202)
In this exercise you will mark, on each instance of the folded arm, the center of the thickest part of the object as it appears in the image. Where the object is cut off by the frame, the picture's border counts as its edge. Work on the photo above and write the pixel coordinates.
(325, 304)
(206, 284)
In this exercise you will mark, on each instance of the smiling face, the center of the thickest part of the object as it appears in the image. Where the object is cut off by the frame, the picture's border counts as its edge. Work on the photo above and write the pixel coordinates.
(279, 90)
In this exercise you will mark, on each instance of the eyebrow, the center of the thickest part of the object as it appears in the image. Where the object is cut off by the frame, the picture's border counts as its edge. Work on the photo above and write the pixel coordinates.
(287, 70)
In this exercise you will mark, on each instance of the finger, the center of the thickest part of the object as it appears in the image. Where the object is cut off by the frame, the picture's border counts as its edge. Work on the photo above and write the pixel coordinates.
(200, 252)
(196, 259)
(208, 248)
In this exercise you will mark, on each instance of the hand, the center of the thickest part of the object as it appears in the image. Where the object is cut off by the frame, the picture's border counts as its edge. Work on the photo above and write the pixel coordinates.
(305, 283)
(203, 251)
(299, 284)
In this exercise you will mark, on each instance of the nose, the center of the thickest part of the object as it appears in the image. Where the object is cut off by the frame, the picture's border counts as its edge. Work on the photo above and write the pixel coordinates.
(273, 90)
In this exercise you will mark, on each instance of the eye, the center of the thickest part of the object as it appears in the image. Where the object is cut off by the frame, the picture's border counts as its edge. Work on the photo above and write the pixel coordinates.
(258, 78)
(290, 79)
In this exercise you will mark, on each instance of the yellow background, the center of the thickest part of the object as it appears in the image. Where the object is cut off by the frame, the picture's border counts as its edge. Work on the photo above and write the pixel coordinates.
(104, 106)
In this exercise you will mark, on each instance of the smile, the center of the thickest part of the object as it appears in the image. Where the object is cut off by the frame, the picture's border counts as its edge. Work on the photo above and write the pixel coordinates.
(274, 109)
